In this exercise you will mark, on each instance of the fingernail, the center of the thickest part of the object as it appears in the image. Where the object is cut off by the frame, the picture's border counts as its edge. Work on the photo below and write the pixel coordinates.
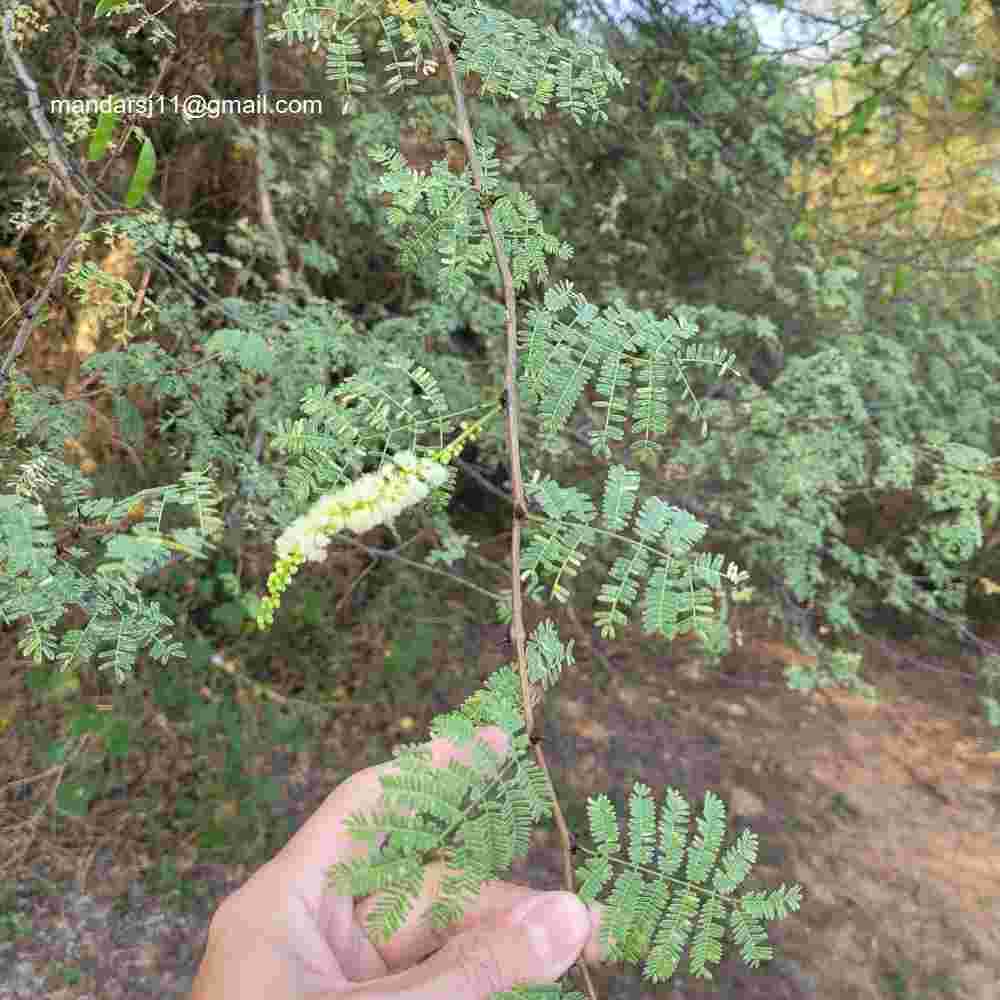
(557, 924)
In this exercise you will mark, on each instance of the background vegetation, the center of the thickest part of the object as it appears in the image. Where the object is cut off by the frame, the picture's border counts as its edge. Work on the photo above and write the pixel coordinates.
(829, 215)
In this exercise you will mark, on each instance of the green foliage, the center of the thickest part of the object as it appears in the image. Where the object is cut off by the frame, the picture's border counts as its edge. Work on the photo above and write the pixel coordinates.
(106, 6)
(106, 122)
(679, 590)
(143, 174)
(562, 357)
(515, 58)
(202, 705)
(883, 414)
(493, 830)
(13, 925)
(706, 127)
(631, 927)
(41, 582)
(438, 214)
(842, 672)
(477, 820)
(258, 402)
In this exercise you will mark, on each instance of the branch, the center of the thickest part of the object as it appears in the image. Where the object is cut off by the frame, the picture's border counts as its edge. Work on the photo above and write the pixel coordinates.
(34, 307)
(529, 693)
(57, 161)
(283, 279)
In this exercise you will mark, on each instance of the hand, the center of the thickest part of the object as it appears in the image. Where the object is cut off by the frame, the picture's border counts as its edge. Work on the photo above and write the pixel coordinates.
(285, 935)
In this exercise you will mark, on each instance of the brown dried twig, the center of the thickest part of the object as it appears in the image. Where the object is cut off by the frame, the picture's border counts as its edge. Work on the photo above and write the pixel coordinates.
(531, 694)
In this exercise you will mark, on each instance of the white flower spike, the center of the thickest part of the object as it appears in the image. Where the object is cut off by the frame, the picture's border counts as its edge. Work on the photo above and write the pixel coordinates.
(375, 498)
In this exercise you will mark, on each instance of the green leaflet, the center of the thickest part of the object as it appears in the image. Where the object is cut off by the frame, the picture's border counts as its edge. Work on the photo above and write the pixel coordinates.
(142, 176)
(106, 6)
(103, 131)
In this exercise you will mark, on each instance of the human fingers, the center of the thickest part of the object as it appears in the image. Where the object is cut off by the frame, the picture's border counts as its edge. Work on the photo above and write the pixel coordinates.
(536, 942)
(300, 872)
(418, 937)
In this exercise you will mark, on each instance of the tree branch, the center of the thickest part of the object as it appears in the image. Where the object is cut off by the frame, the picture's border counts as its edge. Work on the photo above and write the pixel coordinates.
(531, 694)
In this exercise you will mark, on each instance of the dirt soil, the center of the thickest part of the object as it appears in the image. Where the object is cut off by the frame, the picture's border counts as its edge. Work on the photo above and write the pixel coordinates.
(886, 814)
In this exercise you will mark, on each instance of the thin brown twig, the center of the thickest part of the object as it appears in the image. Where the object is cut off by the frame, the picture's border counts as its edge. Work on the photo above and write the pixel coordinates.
(33, 308)
(31, 778)
(36, 817)
(283, 279)
(531, 694)
(140, 294)
(35, 109)
(423, 567)
(339, 606)
(266, 690)
(78, 46)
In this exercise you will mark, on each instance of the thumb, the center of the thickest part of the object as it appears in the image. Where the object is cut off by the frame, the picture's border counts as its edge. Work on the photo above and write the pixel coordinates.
(536, 942)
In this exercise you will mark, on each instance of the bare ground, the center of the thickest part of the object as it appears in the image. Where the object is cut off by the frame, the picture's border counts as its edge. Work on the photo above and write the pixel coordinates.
(886, 814)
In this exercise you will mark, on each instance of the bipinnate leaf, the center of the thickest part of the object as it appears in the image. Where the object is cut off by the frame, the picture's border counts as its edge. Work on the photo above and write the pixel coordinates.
(652, 917)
